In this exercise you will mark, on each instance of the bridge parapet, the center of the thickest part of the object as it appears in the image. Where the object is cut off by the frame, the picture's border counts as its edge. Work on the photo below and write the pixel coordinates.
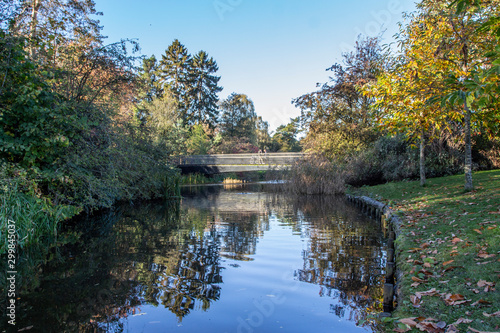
(240, 159)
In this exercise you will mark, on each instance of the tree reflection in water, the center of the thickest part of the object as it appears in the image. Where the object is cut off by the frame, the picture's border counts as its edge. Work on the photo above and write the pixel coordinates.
(172, 256)
(344, 255)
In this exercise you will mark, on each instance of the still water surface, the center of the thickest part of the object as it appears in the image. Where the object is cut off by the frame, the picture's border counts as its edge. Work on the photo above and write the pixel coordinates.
(237, 259)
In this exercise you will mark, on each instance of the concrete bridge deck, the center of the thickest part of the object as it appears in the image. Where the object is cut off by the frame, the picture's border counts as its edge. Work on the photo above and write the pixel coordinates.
(221, 163)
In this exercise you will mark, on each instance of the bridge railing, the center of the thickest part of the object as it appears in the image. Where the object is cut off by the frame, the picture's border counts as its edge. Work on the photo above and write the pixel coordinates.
(240, 159)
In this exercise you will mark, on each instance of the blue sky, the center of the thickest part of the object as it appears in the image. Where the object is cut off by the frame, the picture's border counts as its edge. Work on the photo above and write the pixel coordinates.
(271, 50)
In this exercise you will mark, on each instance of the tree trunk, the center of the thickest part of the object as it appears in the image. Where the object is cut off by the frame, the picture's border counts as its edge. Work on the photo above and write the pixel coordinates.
(422, 158)
(34, 23)
(468, 150)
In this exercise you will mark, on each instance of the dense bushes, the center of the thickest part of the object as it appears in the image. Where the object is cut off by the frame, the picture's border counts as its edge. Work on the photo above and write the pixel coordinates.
(394, 158)
(71, 134)
(390, 158)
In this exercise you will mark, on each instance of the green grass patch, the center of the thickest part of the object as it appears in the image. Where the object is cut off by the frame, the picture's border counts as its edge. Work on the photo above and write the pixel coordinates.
(450, 243)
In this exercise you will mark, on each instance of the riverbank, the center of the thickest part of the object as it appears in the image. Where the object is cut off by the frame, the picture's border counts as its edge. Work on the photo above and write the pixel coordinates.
(30, 218)
(448, 251)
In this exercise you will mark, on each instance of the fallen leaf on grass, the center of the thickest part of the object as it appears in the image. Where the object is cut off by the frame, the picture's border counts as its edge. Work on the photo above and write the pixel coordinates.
(483, 283)
(451, 268)
(456, 240)
(427, 326)
(462, 321)
(448, 262)
(496, 314)
(481, 302)
(409, 321)
(417, 279)
(485, 255)
(478, 231)
(455, 299)
(452, 329)
(476, 331)
(425, 272)
(431, 292)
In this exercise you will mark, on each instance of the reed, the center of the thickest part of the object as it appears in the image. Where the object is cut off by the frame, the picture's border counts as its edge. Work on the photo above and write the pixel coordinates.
(200, 179)
(316, 175)
(33, 218)
(233, 181)
(173, 186)
(194, 179)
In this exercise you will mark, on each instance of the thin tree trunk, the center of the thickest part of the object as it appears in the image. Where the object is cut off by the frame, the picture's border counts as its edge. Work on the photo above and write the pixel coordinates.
(422, 158)
(34, 23)
(468, 150)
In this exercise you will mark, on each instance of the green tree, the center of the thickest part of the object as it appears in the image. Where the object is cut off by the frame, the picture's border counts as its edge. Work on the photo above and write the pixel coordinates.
(35, 128)
(463, 47)
(198, 143)
(238, 117)
(285, 138)
(203, 91)
(263, 137)
(149, 87)
(165, 125)
(149, 80)
(338, 118)
(174, 70)
(53, 27)
(67, 115)
(402, 91)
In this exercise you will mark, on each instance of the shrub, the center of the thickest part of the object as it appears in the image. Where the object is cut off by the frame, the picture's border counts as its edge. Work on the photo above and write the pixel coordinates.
(316, 175)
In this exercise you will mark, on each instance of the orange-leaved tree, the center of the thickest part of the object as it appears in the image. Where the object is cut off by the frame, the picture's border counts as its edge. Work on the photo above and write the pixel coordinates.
(402, 91)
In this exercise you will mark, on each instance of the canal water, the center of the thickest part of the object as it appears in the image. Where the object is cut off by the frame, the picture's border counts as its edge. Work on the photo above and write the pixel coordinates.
(223, 259)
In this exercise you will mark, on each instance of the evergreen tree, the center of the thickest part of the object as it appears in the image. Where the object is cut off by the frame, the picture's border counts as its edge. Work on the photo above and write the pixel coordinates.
(174, 69)
(149, 86)
(203, 90)
(149, 80)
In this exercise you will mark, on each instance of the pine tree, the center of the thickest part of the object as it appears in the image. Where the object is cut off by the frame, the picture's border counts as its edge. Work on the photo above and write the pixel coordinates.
(174, 69)
(203, 91)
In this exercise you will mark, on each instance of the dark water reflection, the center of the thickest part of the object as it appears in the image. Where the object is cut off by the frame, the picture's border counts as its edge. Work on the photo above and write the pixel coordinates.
(225, 260)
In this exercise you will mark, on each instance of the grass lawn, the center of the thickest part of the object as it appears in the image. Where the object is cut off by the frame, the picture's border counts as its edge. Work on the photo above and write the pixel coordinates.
(449, 251)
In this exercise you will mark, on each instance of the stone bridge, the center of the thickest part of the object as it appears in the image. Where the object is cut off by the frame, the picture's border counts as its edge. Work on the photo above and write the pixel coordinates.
(221, 163)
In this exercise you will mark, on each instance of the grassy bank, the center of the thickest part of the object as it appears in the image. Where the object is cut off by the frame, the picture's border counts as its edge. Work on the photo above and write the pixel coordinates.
(449, 252)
